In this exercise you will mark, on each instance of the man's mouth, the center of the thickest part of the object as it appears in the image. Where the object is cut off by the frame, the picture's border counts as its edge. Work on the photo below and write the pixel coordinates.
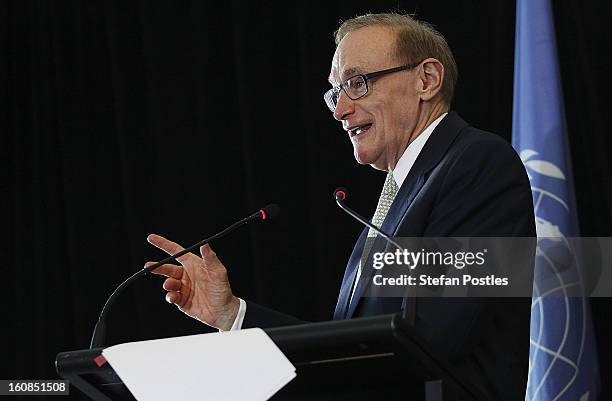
(360, 130)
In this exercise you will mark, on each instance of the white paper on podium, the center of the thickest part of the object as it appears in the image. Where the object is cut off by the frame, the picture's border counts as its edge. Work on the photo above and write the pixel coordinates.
(235, 365)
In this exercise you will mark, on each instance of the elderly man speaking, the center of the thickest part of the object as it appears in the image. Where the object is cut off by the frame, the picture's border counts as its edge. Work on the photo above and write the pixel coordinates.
(392, 80)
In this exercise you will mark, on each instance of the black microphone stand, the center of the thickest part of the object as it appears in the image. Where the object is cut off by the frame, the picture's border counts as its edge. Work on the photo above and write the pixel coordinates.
(99, 333)
(409, 302)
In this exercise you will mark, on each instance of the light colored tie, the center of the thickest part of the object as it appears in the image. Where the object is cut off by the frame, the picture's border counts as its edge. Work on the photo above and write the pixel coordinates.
(384, 203)
(387, 196)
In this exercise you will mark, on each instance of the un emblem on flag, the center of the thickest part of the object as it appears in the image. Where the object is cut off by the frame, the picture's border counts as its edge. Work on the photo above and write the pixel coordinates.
(558, 310)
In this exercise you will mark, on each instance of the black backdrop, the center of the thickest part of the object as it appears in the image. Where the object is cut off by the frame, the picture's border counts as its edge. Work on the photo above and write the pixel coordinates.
(130, 117)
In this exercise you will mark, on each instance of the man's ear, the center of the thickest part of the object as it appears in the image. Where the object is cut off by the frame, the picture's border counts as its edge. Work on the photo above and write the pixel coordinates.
(431, 77)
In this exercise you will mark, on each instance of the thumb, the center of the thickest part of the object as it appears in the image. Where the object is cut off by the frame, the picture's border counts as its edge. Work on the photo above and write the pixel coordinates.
(211, 261)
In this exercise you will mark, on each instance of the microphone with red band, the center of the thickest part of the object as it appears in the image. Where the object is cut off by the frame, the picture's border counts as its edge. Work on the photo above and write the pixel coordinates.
(409, 302)
(266, 213)
(340, 195)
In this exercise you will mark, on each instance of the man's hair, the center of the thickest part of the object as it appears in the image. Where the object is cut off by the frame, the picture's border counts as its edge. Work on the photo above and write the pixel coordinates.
(416, 40)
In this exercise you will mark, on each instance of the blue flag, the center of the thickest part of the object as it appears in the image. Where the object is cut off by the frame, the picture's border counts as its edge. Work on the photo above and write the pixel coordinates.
(562, 355)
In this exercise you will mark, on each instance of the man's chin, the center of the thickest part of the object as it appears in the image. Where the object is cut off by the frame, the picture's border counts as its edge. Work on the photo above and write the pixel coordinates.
(360, 157)
(361, 161)
(366, 159)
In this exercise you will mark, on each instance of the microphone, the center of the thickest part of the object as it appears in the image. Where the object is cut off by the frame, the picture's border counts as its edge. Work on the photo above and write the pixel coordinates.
(340, 195)
(97, 340)
(409, 303)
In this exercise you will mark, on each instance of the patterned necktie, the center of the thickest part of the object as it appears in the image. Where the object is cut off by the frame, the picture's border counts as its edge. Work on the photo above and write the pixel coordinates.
(384, 203)
(387, 196)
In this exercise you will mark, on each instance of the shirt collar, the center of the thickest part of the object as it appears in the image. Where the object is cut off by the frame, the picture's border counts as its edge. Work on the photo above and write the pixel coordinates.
(405, 163)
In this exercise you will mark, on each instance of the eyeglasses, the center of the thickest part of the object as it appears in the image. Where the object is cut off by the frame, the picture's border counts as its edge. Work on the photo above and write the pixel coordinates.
(357, 87)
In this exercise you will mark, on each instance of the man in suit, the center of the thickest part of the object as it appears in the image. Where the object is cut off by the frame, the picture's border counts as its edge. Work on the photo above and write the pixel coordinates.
(393, 79)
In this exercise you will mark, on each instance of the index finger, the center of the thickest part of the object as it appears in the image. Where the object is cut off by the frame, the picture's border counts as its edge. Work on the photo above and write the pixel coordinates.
(169, 247)
(167, 270)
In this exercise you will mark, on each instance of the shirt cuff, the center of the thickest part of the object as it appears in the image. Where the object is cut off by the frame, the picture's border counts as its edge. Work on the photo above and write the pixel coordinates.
(239, 317)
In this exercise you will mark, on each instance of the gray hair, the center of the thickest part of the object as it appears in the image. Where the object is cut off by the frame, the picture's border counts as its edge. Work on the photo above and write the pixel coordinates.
(416, 40)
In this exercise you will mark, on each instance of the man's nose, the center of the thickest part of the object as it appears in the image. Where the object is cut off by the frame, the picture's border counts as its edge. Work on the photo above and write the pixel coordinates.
(344, 107)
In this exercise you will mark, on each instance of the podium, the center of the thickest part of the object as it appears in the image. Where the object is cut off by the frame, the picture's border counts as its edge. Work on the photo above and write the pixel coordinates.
(369, 358)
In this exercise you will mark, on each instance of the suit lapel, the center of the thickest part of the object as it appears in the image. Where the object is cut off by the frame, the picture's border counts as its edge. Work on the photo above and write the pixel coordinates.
(401, 203)
(349, 277)
(364, 279)
(434, 150)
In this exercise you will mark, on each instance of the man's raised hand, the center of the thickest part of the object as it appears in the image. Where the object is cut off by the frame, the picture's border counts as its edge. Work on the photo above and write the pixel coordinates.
(199, 287)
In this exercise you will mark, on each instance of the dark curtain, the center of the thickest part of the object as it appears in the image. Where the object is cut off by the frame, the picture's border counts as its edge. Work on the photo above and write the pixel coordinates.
(125, 118)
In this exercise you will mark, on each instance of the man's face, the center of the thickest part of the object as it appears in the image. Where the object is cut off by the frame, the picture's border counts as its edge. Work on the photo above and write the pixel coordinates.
(387, 114)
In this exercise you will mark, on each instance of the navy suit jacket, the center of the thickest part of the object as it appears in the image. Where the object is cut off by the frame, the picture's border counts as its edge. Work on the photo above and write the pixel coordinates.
(464, 183)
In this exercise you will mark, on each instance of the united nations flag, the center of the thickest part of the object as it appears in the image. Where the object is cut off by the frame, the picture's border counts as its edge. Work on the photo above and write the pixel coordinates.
(562, 356)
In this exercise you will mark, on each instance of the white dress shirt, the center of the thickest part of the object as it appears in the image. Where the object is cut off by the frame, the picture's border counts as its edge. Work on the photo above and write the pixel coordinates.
(400, 172)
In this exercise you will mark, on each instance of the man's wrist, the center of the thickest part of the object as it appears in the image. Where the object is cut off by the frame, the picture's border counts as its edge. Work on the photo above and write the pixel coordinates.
(229, 317)
(237, 324)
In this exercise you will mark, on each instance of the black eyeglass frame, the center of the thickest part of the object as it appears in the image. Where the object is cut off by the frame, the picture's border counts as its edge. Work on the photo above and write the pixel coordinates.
(329, 95)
